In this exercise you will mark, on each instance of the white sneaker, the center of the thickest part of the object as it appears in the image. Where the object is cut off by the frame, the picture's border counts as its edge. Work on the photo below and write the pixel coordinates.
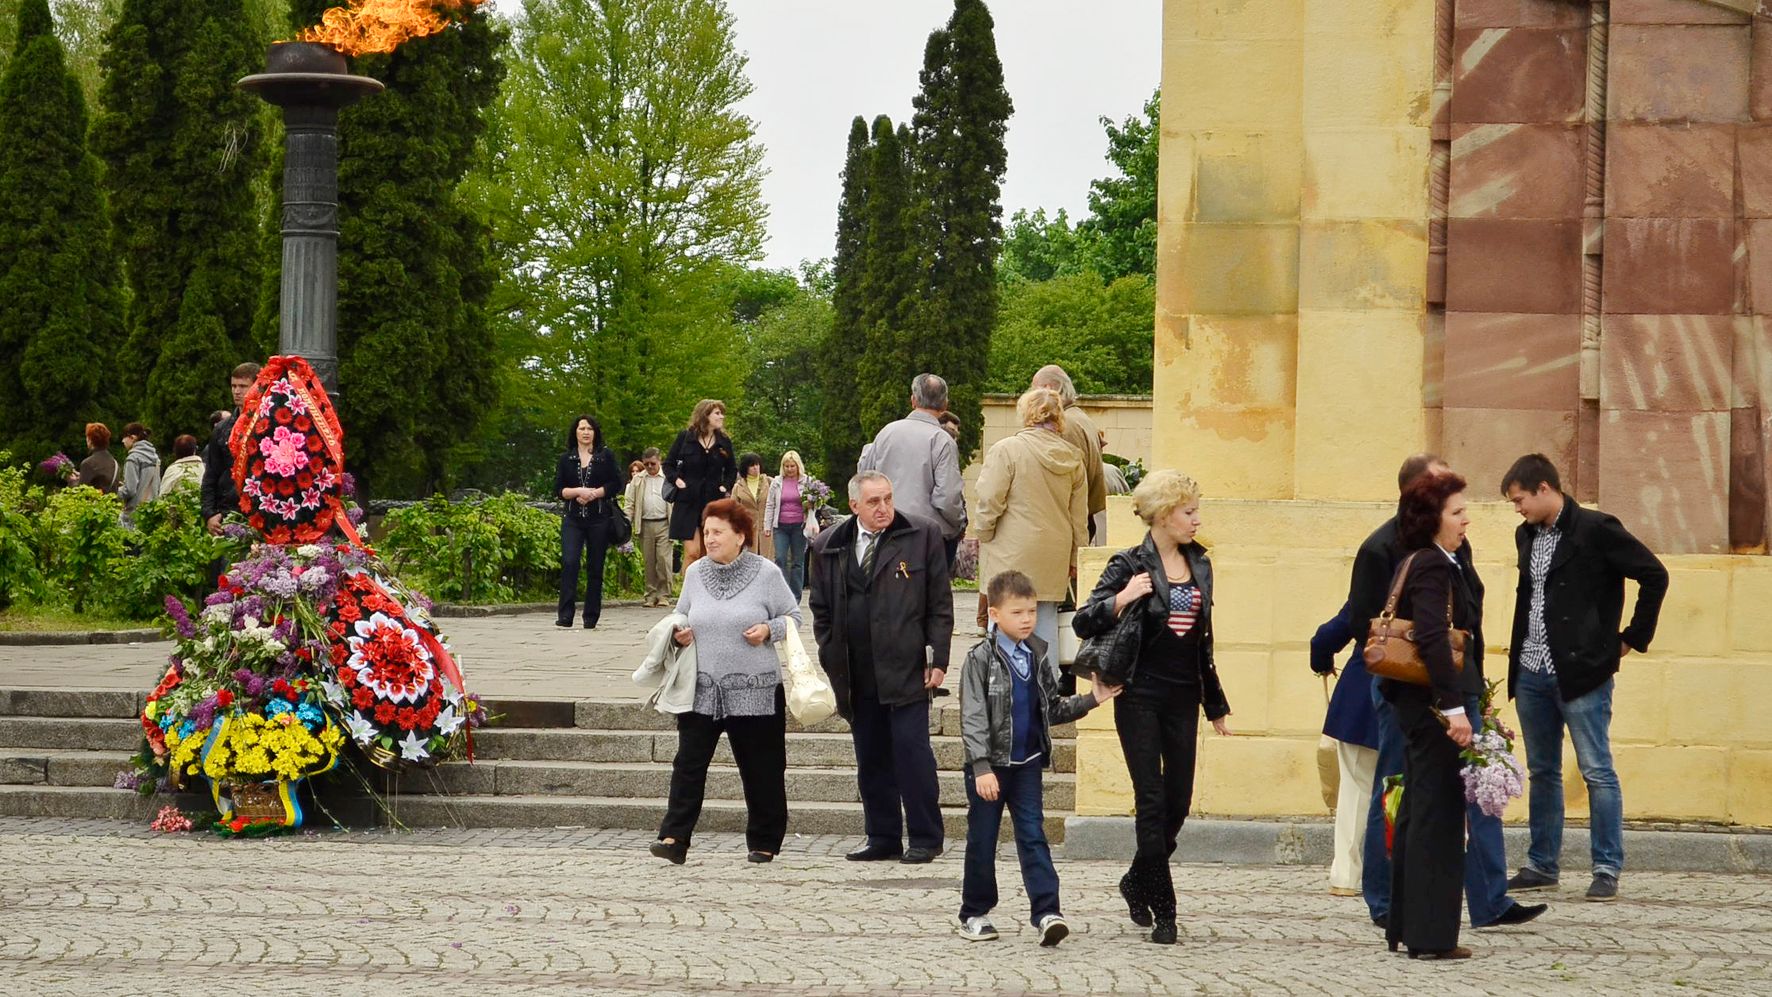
(1053, 930)
(978, 929)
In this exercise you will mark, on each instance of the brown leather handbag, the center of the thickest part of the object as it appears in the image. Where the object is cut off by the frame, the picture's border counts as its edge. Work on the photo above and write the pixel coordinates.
(1390, 648)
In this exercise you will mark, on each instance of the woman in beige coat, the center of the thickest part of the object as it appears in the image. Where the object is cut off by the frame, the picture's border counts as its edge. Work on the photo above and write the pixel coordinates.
(752, 491)
(1033, 506)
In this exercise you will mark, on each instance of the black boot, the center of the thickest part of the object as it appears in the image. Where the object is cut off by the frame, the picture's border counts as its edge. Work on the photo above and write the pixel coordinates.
(1136, 907)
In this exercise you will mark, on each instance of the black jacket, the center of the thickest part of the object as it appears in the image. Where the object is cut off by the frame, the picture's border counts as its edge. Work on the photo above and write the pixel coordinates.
(218, 495)
(707, 476)
(1433, 582)
(1096, 616)
(1375, 567)
(987, 713)
(910, 607)
(1584, 598)
(603, 473)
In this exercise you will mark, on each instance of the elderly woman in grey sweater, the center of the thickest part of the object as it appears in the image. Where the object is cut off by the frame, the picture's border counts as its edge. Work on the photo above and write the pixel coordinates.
(737, 607)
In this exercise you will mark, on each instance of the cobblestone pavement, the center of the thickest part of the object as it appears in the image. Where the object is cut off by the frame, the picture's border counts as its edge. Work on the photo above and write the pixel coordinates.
(504, 656)
(101, 908)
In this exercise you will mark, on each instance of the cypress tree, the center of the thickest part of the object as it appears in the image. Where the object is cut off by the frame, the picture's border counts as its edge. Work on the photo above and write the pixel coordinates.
(184, 152)
(416, 366)
(59, 322)
(962, 115)
(889, 282)
(847, 340)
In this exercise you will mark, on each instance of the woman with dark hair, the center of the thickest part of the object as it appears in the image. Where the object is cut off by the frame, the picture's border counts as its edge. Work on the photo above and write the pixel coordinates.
(141, 470)
(702, 468)
(186, 467)
(99, 469)
(1427, 850)
(734, 605)
(752, 492)
(1166, 584)
(586, 480)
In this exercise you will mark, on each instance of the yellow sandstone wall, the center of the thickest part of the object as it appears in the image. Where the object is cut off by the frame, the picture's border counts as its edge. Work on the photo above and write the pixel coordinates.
(1291, 301)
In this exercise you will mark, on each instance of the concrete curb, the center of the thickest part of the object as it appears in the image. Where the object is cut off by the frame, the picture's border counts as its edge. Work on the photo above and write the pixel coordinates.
(1682, 848)
(25, 638)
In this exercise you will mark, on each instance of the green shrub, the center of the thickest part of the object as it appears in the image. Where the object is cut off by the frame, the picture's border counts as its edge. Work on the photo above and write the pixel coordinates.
(170, 553)
(81, 539)
(21, 577)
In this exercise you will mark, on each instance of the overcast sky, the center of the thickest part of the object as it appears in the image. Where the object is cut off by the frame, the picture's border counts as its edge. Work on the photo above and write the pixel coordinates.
(817, 64)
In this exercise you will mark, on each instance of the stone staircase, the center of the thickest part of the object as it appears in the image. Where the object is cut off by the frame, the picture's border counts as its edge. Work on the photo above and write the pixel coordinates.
(544, 763)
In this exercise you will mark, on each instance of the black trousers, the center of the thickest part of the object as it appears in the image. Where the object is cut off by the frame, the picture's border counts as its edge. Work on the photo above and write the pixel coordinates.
(894, 767)
(760, 747)
(1427, 849)
(576, 537)
(1159, 726)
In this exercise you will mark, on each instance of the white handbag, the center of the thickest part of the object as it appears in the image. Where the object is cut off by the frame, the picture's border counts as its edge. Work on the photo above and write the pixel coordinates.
(807, 689)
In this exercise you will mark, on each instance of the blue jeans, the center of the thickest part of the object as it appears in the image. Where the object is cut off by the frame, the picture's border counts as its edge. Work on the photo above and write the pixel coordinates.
(790, 555)
(1020, 790)
(1543, 715)
(1485, 855)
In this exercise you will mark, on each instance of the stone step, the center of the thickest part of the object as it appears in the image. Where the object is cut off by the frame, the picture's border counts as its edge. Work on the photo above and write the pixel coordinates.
(70, 733)
(623, 714)
(70, 702)
(29, 766)
(93, 801)
(804, 750)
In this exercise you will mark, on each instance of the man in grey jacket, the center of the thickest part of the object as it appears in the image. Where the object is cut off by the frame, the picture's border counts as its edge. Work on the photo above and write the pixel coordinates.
(922, 462)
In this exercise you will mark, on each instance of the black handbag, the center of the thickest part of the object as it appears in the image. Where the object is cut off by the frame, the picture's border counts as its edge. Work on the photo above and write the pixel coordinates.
(669, 489)
(1112, 658)
(621, 530)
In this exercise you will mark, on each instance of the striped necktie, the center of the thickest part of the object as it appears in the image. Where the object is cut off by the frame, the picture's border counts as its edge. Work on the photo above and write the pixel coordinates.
(867, 555)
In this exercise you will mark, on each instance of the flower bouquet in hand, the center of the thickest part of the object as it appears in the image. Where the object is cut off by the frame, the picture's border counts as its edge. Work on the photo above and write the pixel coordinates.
(59, 468)
(1492, 776)
(815, 495)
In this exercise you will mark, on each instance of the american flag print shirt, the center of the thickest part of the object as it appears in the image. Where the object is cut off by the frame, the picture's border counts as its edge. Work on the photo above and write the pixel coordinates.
(1184, 608)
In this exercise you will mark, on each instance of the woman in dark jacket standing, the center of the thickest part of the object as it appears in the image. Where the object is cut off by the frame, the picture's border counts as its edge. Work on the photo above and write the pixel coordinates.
(586, 480)
(1172, 678)
(1427, 846)
(702, 467)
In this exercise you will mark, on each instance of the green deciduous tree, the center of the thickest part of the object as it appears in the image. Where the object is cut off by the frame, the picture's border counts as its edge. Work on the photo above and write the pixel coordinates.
(1121, 231)
(847, 339)
(782, 405)
(185, 158)
(60, 318)
(1101, 334)
(962, 117)
(416, 351)
(1039, 248)
(624, 180)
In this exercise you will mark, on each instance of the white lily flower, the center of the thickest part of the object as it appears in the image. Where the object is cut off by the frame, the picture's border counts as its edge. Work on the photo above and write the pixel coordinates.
(412, 747)
(447, 721)
(361, 730)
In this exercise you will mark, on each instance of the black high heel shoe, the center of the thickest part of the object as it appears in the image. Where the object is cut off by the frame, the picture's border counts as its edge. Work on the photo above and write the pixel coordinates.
(1163, 933)
(674, 852)
(1138, 910)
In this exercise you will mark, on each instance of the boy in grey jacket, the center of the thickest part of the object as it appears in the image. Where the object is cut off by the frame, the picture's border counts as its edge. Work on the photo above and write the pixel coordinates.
(1009, 699)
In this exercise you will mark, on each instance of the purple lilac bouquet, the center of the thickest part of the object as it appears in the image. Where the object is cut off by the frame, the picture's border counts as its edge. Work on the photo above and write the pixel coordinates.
(59, 467)
(814, 494)
(1492, 776)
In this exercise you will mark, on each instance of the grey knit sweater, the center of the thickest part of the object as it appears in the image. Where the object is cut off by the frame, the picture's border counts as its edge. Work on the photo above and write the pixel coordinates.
(733, 678)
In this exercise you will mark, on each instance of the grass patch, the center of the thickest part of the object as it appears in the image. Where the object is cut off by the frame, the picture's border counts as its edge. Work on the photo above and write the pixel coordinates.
(38, 619)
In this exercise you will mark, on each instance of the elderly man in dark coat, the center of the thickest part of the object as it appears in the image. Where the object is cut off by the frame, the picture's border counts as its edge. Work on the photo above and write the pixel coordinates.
(883, 616)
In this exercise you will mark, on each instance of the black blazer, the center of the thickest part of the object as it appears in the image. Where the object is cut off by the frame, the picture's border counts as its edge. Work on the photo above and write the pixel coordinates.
(910, 607)
(216, 492)
(1432, 579)
(604, 473)
(1584, 598)
(708, 476)
(1096, 616)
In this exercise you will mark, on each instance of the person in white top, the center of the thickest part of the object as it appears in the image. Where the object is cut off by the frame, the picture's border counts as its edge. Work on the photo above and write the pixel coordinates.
(651, 516)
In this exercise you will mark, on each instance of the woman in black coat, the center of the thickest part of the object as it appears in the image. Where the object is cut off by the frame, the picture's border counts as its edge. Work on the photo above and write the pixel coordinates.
(587, 480)
(1169, 682)
(702, 467)
(1427, 849)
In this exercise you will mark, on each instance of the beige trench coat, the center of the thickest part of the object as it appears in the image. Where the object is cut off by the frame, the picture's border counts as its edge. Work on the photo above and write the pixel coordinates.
(1032, 514)
(754, 504)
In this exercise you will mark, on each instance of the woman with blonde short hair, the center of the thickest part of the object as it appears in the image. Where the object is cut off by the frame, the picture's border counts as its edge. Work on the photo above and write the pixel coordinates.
(787, 514)
(1033, 506)
(1167, 582)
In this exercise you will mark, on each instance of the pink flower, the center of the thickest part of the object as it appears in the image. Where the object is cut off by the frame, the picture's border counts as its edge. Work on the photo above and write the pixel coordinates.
(283, 452)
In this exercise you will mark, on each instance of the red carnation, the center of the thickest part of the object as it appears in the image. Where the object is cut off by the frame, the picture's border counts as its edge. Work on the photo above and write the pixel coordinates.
(223, 697)
(384, 713)
(303, 424)
(304, 480)
(237, 825)
(406, 717)
(282, 415)
(314, 443)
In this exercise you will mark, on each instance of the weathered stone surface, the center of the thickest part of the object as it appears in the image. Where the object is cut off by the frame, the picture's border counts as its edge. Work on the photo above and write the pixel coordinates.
(69, 733)
(1517, 14)
(1670, 265)
(1512, 361)
(1673, 12)
(23, 769)
(1483, 442)
(1519, 74)
(1666, 363)
(94, 703)
(1760, 75)
(1747, 480)
(1755, 144)
(1678, 72)
(1508, 265)
(1664, 474)
(1671, 171)
(1517, 171)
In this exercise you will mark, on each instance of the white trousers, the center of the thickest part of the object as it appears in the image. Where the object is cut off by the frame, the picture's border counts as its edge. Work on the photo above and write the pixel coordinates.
(1358, 765)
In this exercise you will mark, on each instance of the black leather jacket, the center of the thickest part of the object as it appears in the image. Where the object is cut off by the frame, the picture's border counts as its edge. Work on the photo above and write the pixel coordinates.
(1096, 616)
(987, 715)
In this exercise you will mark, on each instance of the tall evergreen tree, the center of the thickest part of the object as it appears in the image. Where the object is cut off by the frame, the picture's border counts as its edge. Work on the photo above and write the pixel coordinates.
(961, 119)
(184, 151)
(889, 282)
(416, 365)
(847, 341)
(59, 316)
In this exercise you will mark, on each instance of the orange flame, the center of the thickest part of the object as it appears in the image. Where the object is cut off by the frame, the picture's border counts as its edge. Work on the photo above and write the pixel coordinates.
(364, 26)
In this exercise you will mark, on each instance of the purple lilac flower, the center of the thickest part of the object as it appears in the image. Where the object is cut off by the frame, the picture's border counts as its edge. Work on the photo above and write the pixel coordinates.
(203, 714)
(355, 515)
(281, 584)
(181, 618)
(217, 598)
(238, 531)
(127, 780)
(284, 629)
(347, 484)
